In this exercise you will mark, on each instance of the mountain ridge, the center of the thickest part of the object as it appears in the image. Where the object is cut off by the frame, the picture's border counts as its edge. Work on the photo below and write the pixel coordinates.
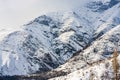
(50, 40)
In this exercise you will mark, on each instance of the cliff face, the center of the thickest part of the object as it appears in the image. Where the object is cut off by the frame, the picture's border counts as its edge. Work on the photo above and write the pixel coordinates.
(51, 39)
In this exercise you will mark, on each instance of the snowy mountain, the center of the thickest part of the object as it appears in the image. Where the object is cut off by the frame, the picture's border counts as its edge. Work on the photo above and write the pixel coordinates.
(42, 44)
(95, 60)
(92, 30)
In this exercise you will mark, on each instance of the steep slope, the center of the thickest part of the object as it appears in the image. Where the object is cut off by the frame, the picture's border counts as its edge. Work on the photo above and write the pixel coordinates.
(94, 60)
(51, 39)
(42, 44)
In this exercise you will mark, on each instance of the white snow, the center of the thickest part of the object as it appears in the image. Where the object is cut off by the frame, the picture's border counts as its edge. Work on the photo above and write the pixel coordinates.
(66, 36)
(54, 37)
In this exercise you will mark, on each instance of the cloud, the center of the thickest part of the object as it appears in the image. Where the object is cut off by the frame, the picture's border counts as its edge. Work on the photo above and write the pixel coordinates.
(18, 12)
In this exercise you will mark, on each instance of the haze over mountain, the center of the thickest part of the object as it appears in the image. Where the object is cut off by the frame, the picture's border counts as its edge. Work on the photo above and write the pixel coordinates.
(15, 13)
(51, 42)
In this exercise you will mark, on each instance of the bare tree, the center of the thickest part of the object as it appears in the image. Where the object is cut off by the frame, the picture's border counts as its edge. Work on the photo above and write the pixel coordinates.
(115, 64)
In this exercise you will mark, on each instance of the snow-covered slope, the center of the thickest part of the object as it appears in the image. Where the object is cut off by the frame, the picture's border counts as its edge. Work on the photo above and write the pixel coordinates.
(95, 62)
(51, 39)
(43, 44)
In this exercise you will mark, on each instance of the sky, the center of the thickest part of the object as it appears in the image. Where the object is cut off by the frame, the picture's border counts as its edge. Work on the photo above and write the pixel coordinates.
(14, 13)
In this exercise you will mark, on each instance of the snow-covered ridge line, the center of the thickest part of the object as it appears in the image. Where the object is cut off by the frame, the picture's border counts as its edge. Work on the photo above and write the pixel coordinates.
(42, 45)
(101, 49)
(49, 40)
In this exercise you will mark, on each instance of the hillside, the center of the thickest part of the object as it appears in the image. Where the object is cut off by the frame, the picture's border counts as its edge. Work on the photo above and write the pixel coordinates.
(64, 41)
